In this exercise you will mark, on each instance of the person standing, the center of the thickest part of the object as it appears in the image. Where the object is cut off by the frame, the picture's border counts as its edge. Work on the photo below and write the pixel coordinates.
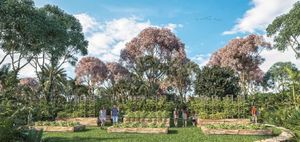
(115, 114)
(254, 114)
(175, 115)
(102, 116)
(194, 118)
(184, 117)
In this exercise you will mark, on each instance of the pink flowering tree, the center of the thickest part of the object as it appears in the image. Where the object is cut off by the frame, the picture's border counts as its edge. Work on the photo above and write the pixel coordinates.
(243, 56)
(91, 72)
(29, 82)
(149, 55)
(117, 76)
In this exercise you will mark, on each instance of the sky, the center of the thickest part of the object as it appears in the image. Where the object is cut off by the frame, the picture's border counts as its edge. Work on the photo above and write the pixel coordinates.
(203, 26)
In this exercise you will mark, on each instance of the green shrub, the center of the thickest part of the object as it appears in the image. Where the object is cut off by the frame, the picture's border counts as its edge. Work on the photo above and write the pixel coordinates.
(220, 108)
(32, 135)
(7, 131)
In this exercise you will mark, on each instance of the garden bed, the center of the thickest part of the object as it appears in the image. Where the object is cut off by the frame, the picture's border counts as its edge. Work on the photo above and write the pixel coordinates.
(148, 120)
(225, 129)
(202, 122)
(88, 121)
(138, 130)
(139, 127)
(147, 117)
(59, 126)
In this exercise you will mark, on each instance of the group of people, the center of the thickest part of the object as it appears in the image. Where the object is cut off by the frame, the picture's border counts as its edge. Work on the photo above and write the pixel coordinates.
(184, 113)
(114, 115)
(185, 116)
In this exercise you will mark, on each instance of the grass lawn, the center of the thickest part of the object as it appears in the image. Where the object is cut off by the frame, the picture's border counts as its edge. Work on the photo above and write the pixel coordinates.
(95, 134)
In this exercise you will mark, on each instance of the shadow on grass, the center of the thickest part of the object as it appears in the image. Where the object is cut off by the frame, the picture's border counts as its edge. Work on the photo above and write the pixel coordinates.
(172, 132)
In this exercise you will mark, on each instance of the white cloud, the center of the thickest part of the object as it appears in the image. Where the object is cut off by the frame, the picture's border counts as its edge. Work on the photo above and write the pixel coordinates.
(260, 15)
(88, 23)
(172, 26)
(201, 59)
(106, 39)
(107, 42)
(273, 56)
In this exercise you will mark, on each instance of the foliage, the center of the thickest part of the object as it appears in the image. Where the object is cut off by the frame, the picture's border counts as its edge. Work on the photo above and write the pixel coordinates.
(242, 55)
(181, 77)
(7, 131)
(90, 70)
(216, 81)
(32, 135)
(56, 123)
(21, 33)
(220, 108)
(237, 126)
(149, 56)
(285, 30)
(139, 125)
(148, 105)
(277, 76)
(147, 114)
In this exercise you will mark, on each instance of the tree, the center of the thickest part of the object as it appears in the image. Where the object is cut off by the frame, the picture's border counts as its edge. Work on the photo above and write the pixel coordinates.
(29, 82)
(181, 76)
(91, 71)
(53, 88)
(148, 56)
(116, 74)
(216, 81)
(277, 76)
(243, 56)
(285, 30)
(21, 33)
(294, 76)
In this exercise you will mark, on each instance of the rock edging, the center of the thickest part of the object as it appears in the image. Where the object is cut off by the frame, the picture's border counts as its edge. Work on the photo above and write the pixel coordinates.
(285, 135)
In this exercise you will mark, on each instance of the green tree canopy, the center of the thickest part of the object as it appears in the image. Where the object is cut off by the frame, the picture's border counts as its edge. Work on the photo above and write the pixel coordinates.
(277, 75)
(286, 30)
(216, 81)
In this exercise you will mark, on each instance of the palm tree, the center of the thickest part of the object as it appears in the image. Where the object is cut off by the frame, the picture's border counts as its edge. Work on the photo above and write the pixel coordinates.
(52, 80)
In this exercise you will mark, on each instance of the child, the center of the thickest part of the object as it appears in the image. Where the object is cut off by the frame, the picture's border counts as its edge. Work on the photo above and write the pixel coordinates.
(194, 118)
(176, 115)
(102, 116)
(184, 117)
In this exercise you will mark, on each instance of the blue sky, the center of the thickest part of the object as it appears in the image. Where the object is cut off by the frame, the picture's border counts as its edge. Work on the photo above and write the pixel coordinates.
(204, 26)
(202, 22)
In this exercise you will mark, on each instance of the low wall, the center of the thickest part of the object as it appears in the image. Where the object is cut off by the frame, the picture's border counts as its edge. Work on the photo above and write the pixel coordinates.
(235, 132)
(202, 122)
(60, 128)
(148, 120)
(286, 135)
(138, 130)
(88, 121)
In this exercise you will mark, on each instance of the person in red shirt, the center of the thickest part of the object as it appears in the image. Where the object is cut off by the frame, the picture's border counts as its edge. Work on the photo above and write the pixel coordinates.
(253, 113)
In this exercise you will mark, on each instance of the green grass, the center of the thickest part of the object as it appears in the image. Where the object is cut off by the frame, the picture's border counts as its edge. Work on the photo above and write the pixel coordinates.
(95, 134)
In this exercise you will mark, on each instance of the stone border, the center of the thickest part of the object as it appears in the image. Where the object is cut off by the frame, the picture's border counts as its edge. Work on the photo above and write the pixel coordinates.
(201, 122)
(147, 120)
(208, 131)
(60, 128)
(138, 130)
(88, 121)
(285, 135)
